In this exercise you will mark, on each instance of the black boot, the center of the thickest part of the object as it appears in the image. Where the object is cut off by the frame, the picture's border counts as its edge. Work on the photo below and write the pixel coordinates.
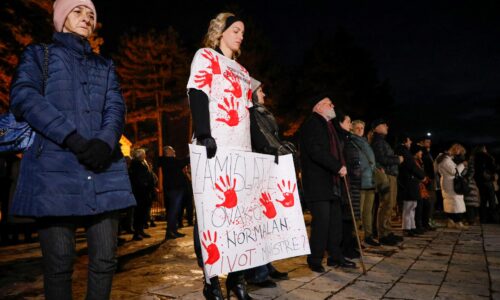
(212, 291)
(236, 283)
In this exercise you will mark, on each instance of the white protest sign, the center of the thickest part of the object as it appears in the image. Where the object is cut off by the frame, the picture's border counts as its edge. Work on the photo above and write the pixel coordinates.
(248, 209)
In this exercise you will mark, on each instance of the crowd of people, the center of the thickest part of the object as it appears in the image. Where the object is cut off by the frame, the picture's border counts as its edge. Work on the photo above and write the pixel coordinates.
(75, 175)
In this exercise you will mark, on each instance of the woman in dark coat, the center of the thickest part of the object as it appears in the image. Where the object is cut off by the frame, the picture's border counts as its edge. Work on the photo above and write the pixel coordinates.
(485, 175)
(410, 176)
(353, 163)
(471, 198)
(74, 173)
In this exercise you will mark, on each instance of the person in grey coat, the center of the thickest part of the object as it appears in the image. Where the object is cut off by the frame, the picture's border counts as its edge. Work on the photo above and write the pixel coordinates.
(367, 193)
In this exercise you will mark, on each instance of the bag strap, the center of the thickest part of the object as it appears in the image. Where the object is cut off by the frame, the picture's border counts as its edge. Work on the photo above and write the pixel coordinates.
(45, 67)
(362, 151)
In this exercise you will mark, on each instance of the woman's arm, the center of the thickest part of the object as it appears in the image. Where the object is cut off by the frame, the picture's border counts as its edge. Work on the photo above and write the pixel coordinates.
(113, 119)
(28, 102)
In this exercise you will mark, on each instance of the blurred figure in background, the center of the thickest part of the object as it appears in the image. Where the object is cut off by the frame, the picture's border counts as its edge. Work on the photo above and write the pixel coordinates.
(174, 188)
(143, 185)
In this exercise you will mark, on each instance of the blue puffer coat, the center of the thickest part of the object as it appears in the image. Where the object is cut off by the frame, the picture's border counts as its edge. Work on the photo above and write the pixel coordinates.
(83, 95)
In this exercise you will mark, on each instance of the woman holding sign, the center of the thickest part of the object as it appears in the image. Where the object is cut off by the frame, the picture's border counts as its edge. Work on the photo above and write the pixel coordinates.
(220, 95)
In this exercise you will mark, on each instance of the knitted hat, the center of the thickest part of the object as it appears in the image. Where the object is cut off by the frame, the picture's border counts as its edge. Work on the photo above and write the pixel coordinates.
(254, 84)
(62, 8)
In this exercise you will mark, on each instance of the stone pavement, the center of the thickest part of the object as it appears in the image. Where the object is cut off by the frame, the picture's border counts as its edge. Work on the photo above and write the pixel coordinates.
(444, 264)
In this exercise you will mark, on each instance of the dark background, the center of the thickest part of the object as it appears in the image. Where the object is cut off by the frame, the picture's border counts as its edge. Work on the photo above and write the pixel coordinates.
(441, 58)
(425, 66)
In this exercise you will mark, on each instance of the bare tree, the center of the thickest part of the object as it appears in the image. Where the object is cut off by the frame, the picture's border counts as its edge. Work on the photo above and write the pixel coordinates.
(154, 71)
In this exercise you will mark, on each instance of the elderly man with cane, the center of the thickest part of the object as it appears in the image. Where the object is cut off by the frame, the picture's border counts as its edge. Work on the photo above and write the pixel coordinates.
(323, 168)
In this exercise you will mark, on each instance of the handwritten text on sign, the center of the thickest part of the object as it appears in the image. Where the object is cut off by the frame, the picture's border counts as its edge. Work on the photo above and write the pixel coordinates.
(248, 209)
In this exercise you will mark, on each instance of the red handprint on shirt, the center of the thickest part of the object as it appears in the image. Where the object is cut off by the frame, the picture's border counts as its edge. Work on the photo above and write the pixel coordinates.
(203, 78)
(270, 210)
(231, 109)
(230, 198)
(235, 83)
(249, 95)
(212, 250)
(214, 61)
(287, 192)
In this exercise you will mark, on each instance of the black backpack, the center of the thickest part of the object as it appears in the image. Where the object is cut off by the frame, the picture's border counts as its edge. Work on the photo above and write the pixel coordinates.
(460, 184)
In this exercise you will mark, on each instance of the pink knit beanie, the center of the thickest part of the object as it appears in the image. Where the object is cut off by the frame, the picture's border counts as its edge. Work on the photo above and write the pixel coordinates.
(63, 7)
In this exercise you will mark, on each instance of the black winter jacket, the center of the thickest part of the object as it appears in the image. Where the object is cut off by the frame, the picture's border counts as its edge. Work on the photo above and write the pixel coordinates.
(318, 164)
(384, 155)
(410, 175)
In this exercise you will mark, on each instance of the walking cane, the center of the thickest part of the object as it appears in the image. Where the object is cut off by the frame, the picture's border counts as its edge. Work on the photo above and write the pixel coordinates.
(355, 226)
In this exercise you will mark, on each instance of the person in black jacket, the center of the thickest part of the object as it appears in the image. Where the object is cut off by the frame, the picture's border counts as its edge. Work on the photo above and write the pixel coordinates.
(143, 185)
(174, 187)
(410, 175)
(323, 169)
(485, 169)
(389, 162)
(265, 139)
(430, 184)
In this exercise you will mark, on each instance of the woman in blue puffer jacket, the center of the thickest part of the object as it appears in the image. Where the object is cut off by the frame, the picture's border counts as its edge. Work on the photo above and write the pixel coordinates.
(74, 173)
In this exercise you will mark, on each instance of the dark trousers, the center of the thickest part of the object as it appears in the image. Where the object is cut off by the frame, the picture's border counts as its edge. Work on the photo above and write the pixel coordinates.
(419, 213)
(326, 231)
(141, 212)
(455, 217)
(57, 240)
(348, 238)
(173, 199)
(488, 205)
(188, 206)
(471, 214)
(427, 209)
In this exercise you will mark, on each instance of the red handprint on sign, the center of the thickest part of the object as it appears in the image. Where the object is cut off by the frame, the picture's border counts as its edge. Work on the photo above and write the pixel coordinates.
(212, 250)
(235, 83)
(203, 78)
(231, 109)
(287, 192)
(230, 198)
(270, 210)
(214, 61)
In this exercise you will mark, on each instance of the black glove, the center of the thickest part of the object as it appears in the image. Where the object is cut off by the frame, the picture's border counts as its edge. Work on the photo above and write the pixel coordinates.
(95, 155)
(211, 146)
(75, 142)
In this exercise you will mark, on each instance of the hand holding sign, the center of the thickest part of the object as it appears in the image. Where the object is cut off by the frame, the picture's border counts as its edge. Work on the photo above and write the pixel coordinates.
(287, 191)
(230, 198)
(212, 250)
(270, 210)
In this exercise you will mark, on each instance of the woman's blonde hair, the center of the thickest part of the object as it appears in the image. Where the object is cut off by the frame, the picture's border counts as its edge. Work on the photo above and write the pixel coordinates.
(456, 149)
(215, 30)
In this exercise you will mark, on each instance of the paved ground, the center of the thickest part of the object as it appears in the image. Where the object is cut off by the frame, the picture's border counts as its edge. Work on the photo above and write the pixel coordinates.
(444, 264)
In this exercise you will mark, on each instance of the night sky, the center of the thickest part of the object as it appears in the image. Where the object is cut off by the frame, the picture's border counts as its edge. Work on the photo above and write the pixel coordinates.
(442, 58)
